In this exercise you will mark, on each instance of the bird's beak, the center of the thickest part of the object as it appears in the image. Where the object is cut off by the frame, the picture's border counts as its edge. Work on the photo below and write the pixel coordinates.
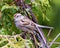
(15, 15)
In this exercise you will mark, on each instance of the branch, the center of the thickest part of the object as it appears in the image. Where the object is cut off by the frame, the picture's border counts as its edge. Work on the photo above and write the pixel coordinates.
(43, 40)
(28, 9)
(54, 40)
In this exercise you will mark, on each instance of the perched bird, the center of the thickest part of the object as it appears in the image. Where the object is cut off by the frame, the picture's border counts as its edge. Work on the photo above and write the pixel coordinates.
(25, 24)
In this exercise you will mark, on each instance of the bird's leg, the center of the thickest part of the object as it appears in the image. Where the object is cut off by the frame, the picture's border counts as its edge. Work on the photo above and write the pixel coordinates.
(34, 39)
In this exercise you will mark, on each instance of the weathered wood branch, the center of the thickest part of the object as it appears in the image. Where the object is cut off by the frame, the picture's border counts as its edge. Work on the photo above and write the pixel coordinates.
(54, 40)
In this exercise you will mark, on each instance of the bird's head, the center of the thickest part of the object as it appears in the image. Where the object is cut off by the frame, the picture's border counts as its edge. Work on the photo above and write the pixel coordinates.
(18, 16)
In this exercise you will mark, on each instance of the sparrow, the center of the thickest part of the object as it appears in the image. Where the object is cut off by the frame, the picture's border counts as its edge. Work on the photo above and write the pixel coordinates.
(25, 24)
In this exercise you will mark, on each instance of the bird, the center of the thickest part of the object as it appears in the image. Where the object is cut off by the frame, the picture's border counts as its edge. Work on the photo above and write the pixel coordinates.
(24, 23)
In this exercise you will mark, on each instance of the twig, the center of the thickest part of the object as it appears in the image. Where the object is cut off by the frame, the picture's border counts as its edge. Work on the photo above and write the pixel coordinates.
(49, 32)
(43, 39)
(31, 13)
(34, 40)
(54, 40)
(32, 0)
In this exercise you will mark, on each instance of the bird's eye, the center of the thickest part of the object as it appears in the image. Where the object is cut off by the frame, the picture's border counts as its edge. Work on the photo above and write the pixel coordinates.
(17, 16)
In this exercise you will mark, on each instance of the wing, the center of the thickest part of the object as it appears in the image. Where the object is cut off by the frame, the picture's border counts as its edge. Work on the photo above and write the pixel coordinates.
(26, 22)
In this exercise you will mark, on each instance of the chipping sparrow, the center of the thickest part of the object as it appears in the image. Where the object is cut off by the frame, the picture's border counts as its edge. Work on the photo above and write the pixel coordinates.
(25, 24)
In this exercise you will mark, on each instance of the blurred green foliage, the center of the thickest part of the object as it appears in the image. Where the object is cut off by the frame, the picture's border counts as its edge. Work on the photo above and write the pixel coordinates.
(7, 18)
(47, 13)
(7, 41)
